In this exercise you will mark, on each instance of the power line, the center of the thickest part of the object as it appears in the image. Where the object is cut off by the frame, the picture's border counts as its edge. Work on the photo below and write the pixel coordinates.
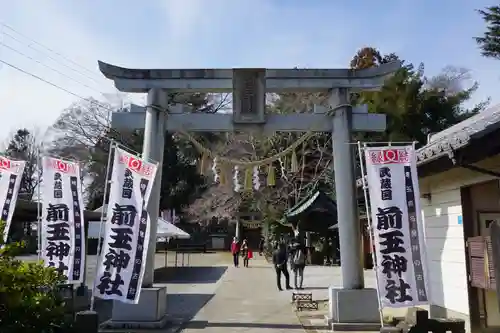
(55, 85)
(46, 47)
(76, 95)
(49, 67)
(52, 58)
(95, 78)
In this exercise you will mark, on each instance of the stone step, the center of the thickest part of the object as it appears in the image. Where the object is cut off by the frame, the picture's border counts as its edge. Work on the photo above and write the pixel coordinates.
(356, 327)
(352, 327)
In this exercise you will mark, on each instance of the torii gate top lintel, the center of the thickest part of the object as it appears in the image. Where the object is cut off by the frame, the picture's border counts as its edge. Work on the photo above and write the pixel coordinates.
(221, 80)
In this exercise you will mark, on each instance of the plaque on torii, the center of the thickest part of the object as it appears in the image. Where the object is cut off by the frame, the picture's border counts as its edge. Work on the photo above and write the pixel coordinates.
(249, 96)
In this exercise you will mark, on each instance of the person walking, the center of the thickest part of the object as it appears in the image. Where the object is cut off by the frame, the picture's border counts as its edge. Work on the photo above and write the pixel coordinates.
(280, 259)
(235, 251)
(245, 253)
(298, 265)
(261, 246)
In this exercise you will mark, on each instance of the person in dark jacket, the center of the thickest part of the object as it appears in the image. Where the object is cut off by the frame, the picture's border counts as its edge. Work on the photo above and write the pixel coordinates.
(280, 259)
(245, 253)
(261, 246)
(298, 264)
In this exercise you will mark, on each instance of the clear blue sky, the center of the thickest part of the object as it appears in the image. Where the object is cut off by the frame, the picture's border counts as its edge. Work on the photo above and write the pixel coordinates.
(224, 33)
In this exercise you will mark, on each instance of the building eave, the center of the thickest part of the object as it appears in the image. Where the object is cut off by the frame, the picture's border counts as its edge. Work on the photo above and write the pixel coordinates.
(457, 137)
(444, 147)
(460, 135)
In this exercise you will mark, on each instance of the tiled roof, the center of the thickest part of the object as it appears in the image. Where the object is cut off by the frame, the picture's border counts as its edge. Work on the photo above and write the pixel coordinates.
(457, 136)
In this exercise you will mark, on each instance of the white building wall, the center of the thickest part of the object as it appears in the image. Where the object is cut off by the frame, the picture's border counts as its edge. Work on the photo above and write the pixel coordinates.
(445, 249)
(444, 234)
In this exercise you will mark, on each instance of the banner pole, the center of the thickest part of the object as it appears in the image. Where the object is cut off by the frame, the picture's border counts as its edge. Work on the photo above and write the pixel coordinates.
(370, 229)
(424, 238)
(39, 204)
(106, 185)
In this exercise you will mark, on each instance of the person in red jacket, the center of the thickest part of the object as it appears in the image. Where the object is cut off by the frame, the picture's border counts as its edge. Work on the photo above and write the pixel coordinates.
(235, 251)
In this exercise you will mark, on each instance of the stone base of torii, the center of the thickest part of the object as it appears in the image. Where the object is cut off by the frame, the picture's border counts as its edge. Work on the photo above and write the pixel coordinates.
(350, 304)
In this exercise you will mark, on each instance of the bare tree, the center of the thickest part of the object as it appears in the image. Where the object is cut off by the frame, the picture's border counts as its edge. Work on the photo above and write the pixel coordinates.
(83, 131)
(80, 127)
(452, 80)
(314, 160)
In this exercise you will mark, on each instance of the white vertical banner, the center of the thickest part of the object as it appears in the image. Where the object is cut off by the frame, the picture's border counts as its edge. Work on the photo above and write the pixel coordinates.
(62, 225)
(123, 257)
(175, 218)
(11, 174)
(397, 226)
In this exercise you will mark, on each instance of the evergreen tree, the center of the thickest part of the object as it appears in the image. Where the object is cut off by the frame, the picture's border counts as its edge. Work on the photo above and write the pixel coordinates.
(181, 180)
(490, 41)
(416, 106)
(24, 146)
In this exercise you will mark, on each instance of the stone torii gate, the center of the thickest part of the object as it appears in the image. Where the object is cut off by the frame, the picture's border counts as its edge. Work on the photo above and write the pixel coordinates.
(249, 86)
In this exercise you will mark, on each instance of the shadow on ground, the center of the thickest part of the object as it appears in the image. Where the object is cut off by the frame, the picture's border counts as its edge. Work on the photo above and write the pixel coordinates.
(179, 306)
(189, 275)
(186, 306)
(202, 324)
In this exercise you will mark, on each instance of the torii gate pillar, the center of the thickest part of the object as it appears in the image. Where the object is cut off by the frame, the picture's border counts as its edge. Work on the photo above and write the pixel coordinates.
(152, 148)
(249, 87)
(345, 189)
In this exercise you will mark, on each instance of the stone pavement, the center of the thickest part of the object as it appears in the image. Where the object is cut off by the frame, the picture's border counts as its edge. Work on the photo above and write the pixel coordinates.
(210, 294)
(317, 280)
(243, 300)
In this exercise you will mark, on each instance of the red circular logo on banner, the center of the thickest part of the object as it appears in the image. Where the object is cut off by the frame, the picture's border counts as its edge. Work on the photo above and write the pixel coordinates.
(134, 164)
(391, 156)
(4, 163)
(61, 166)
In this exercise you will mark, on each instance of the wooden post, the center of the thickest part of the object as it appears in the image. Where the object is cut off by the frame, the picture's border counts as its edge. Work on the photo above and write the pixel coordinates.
(495, 249)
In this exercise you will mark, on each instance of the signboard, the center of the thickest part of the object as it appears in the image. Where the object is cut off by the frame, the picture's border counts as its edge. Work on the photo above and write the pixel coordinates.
(251, 224)
(249, 95)
(397, 225)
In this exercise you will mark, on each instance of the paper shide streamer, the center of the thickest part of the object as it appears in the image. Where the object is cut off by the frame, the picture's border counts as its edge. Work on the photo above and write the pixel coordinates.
(236, 181)
(256, 178)
(214, 170)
